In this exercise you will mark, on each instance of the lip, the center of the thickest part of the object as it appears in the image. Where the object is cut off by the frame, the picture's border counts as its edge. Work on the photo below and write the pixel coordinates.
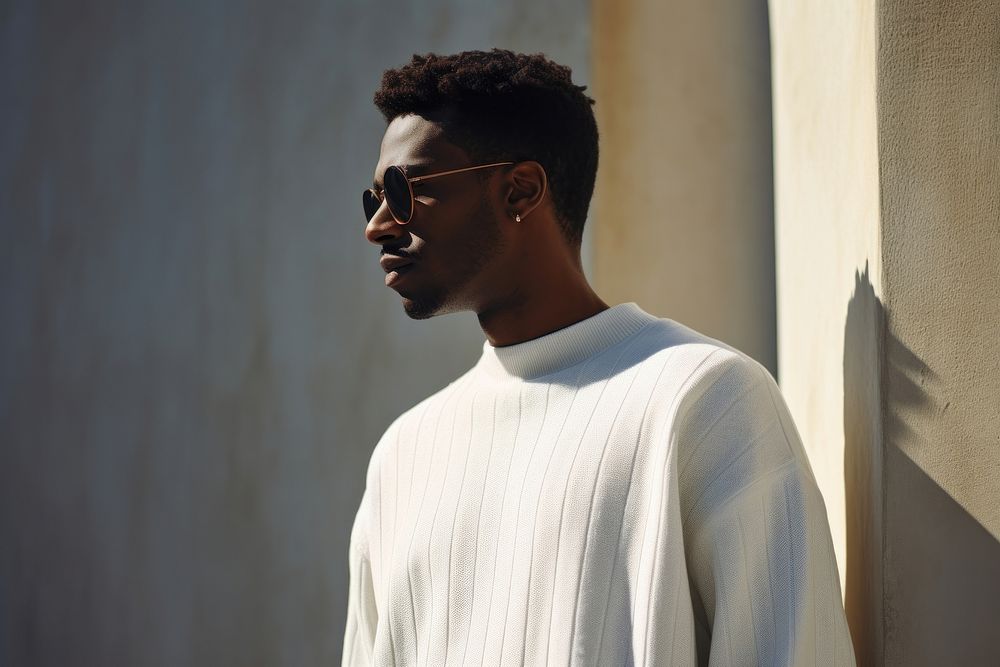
(393, 262)
(395, 275)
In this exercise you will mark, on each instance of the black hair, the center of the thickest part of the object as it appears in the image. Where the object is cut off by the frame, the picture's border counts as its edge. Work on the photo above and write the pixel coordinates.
(502, 105)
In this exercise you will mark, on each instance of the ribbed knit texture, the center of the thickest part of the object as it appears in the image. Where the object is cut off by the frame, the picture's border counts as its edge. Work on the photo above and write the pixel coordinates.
(622, 491)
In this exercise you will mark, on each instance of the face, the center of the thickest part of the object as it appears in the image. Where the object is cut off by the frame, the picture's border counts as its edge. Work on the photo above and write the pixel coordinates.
(438, 262)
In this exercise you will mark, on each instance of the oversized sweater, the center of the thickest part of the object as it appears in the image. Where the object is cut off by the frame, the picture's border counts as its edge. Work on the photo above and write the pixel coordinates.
(621, 491)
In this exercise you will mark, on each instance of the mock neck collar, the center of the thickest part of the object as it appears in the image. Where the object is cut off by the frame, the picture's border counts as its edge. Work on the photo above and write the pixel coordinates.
(564, 347)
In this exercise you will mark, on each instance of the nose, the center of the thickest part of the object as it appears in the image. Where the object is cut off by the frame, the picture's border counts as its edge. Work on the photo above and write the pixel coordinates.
(383, 228)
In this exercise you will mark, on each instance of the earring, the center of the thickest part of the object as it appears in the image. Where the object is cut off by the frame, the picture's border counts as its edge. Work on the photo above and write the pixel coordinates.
(517, 217)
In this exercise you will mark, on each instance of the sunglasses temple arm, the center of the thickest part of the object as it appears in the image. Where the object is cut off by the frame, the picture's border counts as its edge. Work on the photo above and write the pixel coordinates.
(417, 179)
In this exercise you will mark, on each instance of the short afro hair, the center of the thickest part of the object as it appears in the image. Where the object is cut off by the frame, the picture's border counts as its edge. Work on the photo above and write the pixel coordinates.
(507, 106)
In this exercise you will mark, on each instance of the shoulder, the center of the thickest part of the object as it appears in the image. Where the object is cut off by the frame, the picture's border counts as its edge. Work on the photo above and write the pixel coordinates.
(712, 373)
(704, 370)
(731, 427)
(686, 375)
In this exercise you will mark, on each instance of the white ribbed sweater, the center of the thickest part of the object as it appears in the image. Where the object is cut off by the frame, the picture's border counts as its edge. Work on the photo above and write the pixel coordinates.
(622, 491)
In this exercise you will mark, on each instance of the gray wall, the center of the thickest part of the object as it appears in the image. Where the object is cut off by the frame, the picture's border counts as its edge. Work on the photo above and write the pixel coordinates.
(197, 351)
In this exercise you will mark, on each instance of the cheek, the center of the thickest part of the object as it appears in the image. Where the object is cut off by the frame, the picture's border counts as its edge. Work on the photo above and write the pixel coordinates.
(455, 225)
(481, 239)
(457, 234)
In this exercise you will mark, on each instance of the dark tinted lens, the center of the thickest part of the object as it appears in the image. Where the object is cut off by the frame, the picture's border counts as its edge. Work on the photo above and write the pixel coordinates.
(397, 193)
(371, 204)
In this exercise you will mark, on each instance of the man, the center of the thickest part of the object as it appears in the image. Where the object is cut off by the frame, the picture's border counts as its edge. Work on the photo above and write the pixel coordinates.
(604, 487)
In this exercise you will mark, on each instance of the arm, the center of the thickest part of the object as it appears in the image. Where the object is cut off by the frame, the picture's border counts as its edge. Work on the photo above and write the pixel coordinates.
(764, 582)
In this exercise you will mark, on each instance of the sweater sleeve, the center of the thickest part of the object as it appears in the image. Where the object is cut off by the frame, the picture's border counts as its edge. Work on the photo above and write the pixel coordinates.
(362, 612)
(762, 572)
(362, 607)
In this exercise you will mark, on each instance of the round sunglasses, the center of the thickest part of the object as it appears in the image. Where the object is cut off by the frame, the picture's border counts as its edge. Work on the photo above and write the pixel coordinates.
(398, 191)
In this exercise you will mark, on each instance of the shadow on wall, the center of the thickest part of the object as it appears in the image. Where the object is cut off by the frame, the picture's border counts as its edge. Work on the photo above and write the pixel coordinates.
(863, 331)
(918, 564)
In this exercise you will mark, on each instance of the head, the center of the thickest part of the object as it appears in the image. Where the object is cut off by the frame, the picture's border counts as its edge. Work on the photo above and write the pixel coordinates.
(450, 112)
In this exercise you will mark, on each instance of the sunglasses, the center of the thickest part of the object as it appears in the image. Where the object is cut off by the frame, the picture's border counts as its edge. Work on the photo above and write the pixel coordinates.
(398, 191)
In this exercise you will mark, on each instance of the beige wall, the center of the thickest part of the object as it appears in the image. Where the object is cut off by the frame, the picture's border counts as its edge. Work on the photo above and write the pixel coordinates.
(829, 269)
(682, 217)
(888, 230)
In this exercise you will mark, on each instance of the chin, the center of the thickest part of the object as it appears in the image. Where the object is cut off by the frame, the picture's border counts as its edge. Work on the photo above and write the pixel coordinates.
(422, 308)
(428, 305)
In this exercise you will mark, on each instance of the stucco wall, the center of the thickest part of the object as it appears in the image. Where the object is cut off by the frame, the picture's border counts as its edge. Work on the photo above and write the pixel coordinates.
(887, 123)
(939, 145)
(198, 352)
(683, 207)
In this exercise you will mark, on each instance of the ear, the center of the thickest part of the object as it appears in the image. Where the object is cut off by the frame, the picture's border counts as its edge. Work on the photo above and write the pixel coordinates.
(527, 185)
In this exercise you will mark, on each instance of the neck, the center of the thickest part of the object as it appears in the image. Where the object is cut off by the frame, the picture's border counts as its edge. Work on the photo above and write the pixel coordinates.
(551, 293)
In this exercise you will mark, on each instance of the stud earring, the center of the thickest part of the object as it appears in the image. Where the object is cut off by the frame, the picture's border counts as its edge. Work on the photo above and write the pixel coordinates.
(517, 217)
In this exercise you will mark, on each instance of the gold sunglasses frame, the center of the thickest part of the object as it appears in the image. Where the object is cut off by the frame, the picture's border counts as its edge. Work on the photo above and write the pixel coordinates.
(418, 179)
